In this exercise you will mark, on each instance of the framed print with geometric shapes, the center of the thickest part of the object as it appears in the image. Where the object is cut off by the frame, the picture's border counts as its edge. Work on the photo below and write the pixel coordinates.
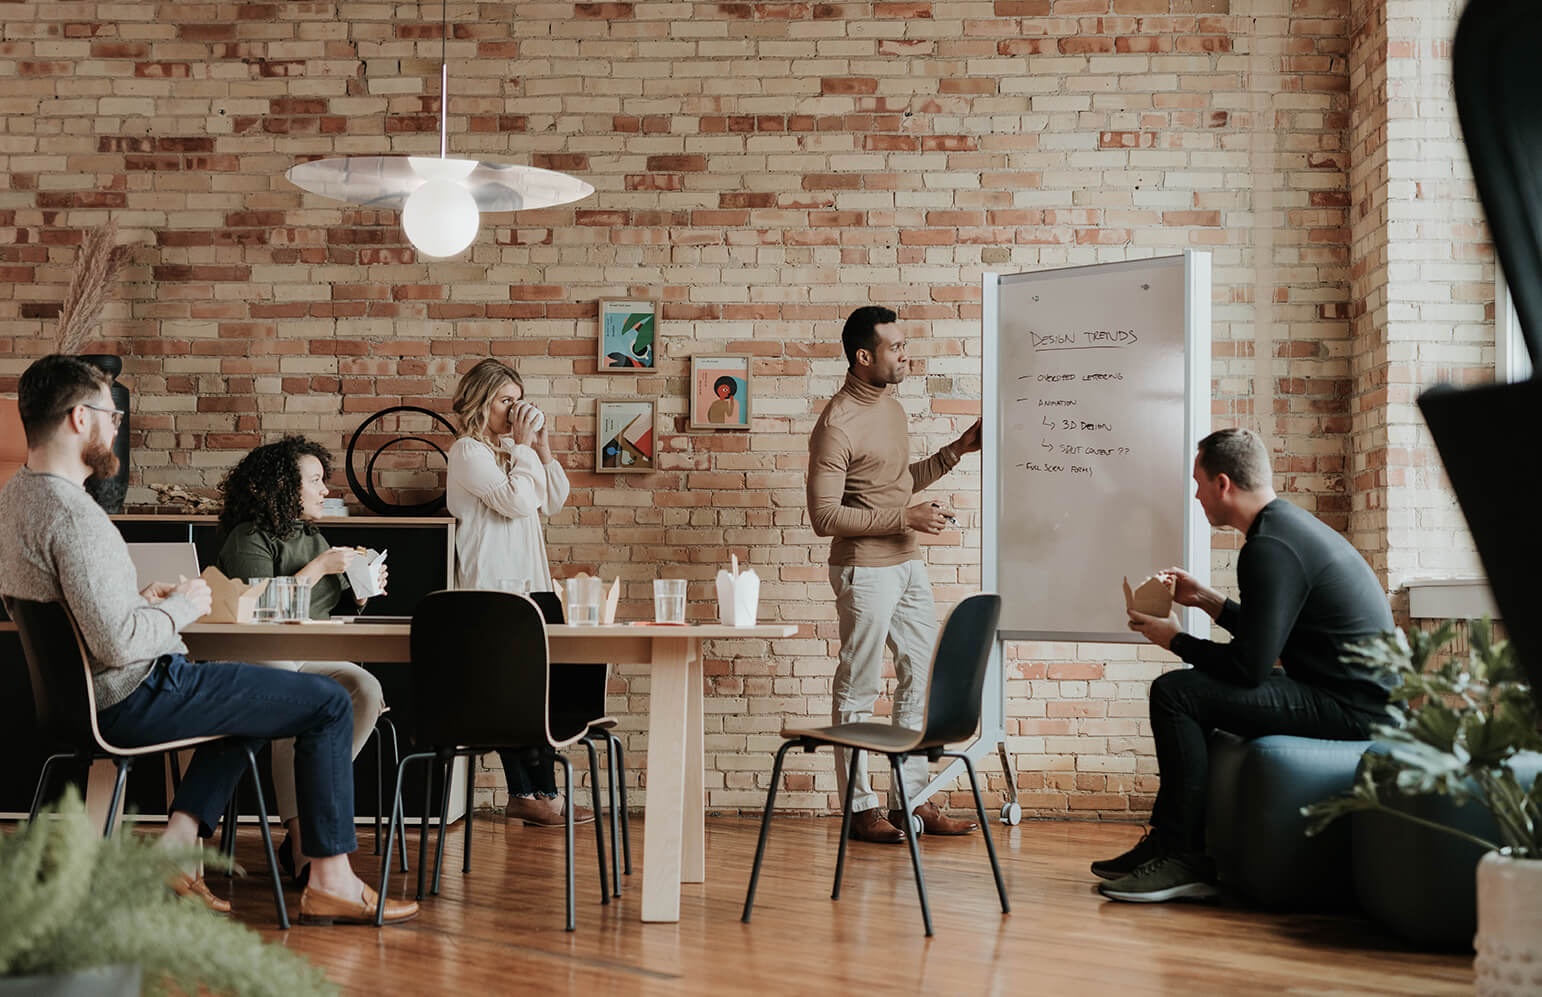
(625, 439)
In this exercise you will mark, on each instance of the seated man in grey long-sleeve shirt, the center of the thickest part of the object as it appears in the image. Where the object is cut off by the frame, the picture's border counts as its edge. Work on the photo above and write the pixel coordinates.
(1306, 597)
(57, 545)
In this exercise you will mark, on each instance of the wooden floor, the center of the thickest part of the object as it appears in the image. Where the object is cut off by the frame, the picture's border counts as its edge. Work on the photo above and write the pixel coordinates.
(499, 930)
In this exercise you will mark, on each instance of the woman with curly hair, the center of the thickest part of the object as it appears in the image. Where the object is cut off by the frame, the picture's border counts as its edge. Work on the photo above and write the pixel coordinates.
(272, 499)
(501, 480)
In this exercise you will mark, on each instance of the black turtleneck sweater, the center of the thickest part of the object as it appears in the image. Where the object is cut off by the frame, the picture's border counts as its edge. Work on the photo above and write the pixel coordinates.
(1306, 596)
(250, 552)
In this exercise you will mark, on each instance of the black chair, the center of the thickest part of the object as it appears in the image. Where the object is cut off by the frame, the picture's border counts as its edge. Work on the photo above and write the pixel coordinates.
(65, 700)
(481, 680)
(578, 690)
(952, 714)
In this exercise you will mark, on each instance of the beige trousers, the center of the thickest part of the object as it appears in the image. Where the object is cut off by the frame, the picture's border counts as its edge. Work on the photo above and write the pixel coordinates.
(368, 703)
(876, 607)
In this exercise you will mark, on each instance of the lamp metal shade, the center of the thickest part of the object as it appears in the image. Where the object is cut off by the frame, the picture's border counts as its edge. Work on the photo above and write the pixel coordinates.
(387, 181)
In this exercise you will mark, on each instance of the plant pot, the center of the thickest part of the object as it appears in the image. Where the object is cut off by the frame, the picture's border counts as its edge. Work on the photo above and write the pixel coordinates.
(110, 492)
(102, 981)
(1509, 939)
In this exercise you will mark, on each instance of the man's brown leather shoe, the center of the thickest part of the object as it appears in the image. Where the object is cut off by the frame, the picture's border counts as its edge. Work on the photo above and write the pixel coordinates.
(317, 907)
(869, 825)
(541, 812)
(184, 885)
(934, 821)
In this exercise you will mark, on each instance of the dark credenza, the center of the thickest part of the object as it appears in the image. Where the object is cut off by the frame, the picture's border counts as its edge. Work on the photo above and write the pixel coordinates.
(422, 560)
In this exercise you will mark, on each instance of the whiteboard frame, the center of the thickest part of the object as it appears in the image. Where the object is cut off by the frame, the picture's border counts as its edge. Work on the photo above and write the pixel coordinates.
(1196, 405)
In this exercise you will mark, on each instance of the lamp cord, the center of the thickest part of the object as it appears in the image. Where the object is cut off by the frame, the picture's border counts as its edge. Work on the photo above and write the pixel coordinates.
(444, 79)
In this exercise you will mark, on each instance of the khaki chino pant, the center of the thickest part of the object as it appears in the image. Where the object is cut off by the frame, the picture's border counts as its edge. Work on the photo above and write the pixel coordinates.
(875, 607)
(368, 703)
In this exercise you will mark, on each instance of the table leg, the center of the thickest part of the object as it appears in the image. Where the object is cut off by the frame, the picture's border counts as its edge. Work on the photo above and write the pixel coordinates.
(693, 845)
(664, 810)
(99, 790)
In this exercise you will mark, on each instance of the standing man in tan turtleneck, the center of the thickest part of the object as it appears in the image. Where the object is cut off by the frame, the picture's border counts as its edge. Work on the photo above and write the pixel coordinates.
(861, 484)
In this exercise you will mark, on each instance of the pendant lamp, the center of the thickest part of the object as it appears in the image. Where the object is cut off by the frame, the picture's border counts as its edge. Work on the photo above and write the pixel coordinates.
(441, 199)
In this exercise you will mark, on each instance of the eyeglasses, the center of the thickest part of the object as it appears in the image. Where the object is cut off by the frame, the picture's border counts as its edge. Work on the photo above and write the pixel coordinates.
(117, 414)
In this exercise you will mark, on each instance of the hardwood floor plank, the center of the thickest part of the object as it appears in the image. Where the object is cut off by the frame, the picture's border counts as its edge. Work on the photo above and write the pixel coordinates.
(499, 929)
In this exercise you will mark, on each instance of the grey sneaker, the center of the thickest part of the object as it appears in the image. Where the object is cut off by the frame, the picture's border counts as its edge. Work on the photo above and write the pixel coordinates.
(1171, 877)
(1144, 851)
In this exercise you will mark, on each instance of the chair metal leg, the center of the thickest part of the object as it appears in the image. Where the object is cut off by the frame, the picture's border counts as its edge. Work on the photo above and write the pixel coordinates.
(124, 764)
(447, 766)
(910, 839)
(42, 782)
(379, 741)
(401, 825)
(599, 822)
(471, 785)
(626, 819)
(985, 827)
(428, 810)
(765, 830)
(615, 816)
(267, 841)
(398, 821)
(396, 757)
(840, 855)
(567, 837)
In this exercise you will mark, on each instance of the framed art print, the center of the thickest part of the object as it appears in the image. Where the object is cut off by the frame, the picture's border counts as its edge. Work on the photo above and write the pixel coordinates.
(628, 329)
(624, 436)
(720, 392)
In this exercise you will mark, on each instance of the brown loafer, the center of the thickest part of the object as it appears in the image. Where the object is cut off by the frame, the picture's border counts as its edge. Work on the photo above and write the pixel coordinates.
(538, 811)
(318, 907)
(184, 885)
(869, 825)
(934, 821)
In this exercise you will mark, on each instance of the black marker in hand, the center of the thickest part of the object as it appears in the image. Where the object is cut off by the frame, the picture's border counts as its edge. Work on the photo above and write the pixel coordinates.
(948, 517)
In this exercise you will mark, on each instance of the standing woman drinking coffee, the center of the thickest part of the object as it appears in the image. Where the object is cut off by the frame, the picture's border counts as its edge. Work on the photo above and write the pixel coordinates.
(502, 479)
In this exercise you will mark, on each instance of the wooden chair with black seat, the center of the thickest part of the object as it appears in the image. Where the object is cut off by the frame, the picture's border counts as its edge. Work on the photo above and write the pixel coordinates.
(953, 702)
(578, 690)
(65, 701)
(481, 679)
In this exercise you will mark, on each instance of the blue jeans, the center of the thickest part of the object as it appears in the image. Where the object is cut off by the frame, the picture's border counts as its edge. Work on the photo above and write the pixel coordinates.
(249, 705)
(1186, 705)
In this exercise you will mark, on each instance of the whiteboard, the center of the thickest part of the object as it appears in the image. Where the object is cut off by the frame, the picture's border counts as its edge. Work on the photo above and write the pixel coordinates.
(1097, 389)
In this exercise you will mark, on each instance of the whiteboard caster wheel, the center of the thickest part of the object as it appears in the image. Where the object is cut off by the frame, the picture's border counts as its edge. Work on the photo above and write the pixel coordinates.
(916, 827)
(1012, 814)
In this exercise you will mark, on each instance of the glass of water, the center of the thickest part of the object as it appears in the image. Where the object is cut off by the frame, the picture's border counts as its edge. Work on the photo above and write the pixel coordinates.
(669, 600)
(519, 586)
(583, 601)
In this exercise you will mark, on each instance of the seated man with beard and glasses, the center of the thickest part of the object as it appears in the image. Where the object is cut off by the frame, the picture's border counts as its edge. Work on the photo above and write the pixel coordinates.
(57, 545)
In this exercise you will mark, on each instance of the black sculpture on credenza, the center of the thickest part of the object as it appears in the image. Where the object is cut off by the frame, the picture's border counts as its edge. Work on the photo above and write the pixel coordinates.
(364, 489)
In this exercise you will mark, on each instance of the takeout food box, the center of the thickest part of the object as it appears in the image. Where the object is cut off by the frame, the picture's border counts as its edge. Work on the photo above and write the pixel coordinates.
(738, 596)
(1153, 597)
(364, 573)
(234, 601)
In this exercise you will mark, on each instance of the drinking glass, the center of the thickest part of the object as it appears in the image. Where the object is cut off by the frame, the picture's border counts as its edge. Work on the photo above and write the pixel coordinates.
(669, 600)
(583, 601)
(285, 600)
(519, 586)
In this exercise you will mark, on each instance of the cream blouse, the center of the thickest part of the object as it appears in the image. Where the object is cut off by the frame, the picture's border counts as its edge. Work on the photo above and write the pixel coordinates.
(498, 513)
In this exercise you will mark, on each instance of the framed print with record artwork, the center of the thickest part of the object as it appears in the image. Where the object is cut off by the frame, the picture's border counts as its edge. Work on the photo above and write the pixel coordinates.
(720, 392)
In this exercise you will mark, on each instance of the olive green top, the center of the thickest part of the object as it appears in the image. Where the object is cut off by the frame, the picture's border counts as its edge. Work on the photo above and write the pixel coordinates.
(249, 552)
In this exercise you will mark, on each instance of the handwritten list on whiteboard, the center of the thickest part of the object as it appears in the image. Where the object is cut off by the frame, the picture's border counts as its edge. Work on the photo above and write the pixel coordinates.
(1094, 449)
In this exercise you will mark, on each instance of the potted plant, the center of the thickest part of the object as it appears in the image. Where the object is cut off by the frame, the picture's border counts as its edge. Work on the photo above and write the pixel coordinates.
(1458, 729)
(87, 915)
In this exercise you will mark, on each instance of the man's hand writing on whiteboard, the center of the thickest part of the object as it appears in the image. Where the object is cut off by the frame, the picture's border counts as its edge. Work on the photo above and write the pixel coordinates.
(969, 442)
(1159, 630)
(927, 517)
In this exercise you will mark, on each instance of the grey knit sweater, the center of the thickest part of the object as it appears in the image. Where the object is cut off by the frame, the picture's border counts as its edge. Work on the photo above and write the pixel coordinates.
(56, 543)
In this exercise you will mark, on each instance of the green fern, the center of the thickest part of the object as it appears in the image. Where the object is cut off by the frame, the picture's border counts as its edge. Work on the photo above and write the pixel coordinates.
(1468, 719)
(75, 901)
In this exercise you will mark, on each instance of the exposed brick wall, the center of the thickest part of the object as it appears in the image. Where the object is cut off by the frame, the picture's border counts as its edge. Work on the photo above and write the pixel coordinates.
(761, 168)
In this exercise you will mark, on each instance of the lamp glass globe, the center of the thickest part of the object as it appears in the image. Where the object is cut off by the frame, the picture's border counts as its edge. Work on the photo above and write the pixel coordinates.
(440, 218)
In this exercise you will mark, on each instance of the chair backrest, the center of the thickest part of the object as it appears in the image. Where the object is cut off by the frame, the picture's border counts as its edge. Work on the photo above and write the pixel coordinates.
(550, 606)
(62, 693)
(479, 670)
(953, 693)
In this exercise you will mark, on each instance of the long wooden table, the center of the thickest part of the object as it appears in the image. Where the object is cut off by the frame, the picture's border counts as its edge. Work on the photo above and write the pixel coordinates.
(674, 835)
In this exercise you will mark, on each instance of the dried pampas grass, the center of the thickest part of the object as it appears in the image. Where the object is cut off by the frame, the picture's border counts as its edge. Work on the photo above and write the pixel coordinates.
(96, 268)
